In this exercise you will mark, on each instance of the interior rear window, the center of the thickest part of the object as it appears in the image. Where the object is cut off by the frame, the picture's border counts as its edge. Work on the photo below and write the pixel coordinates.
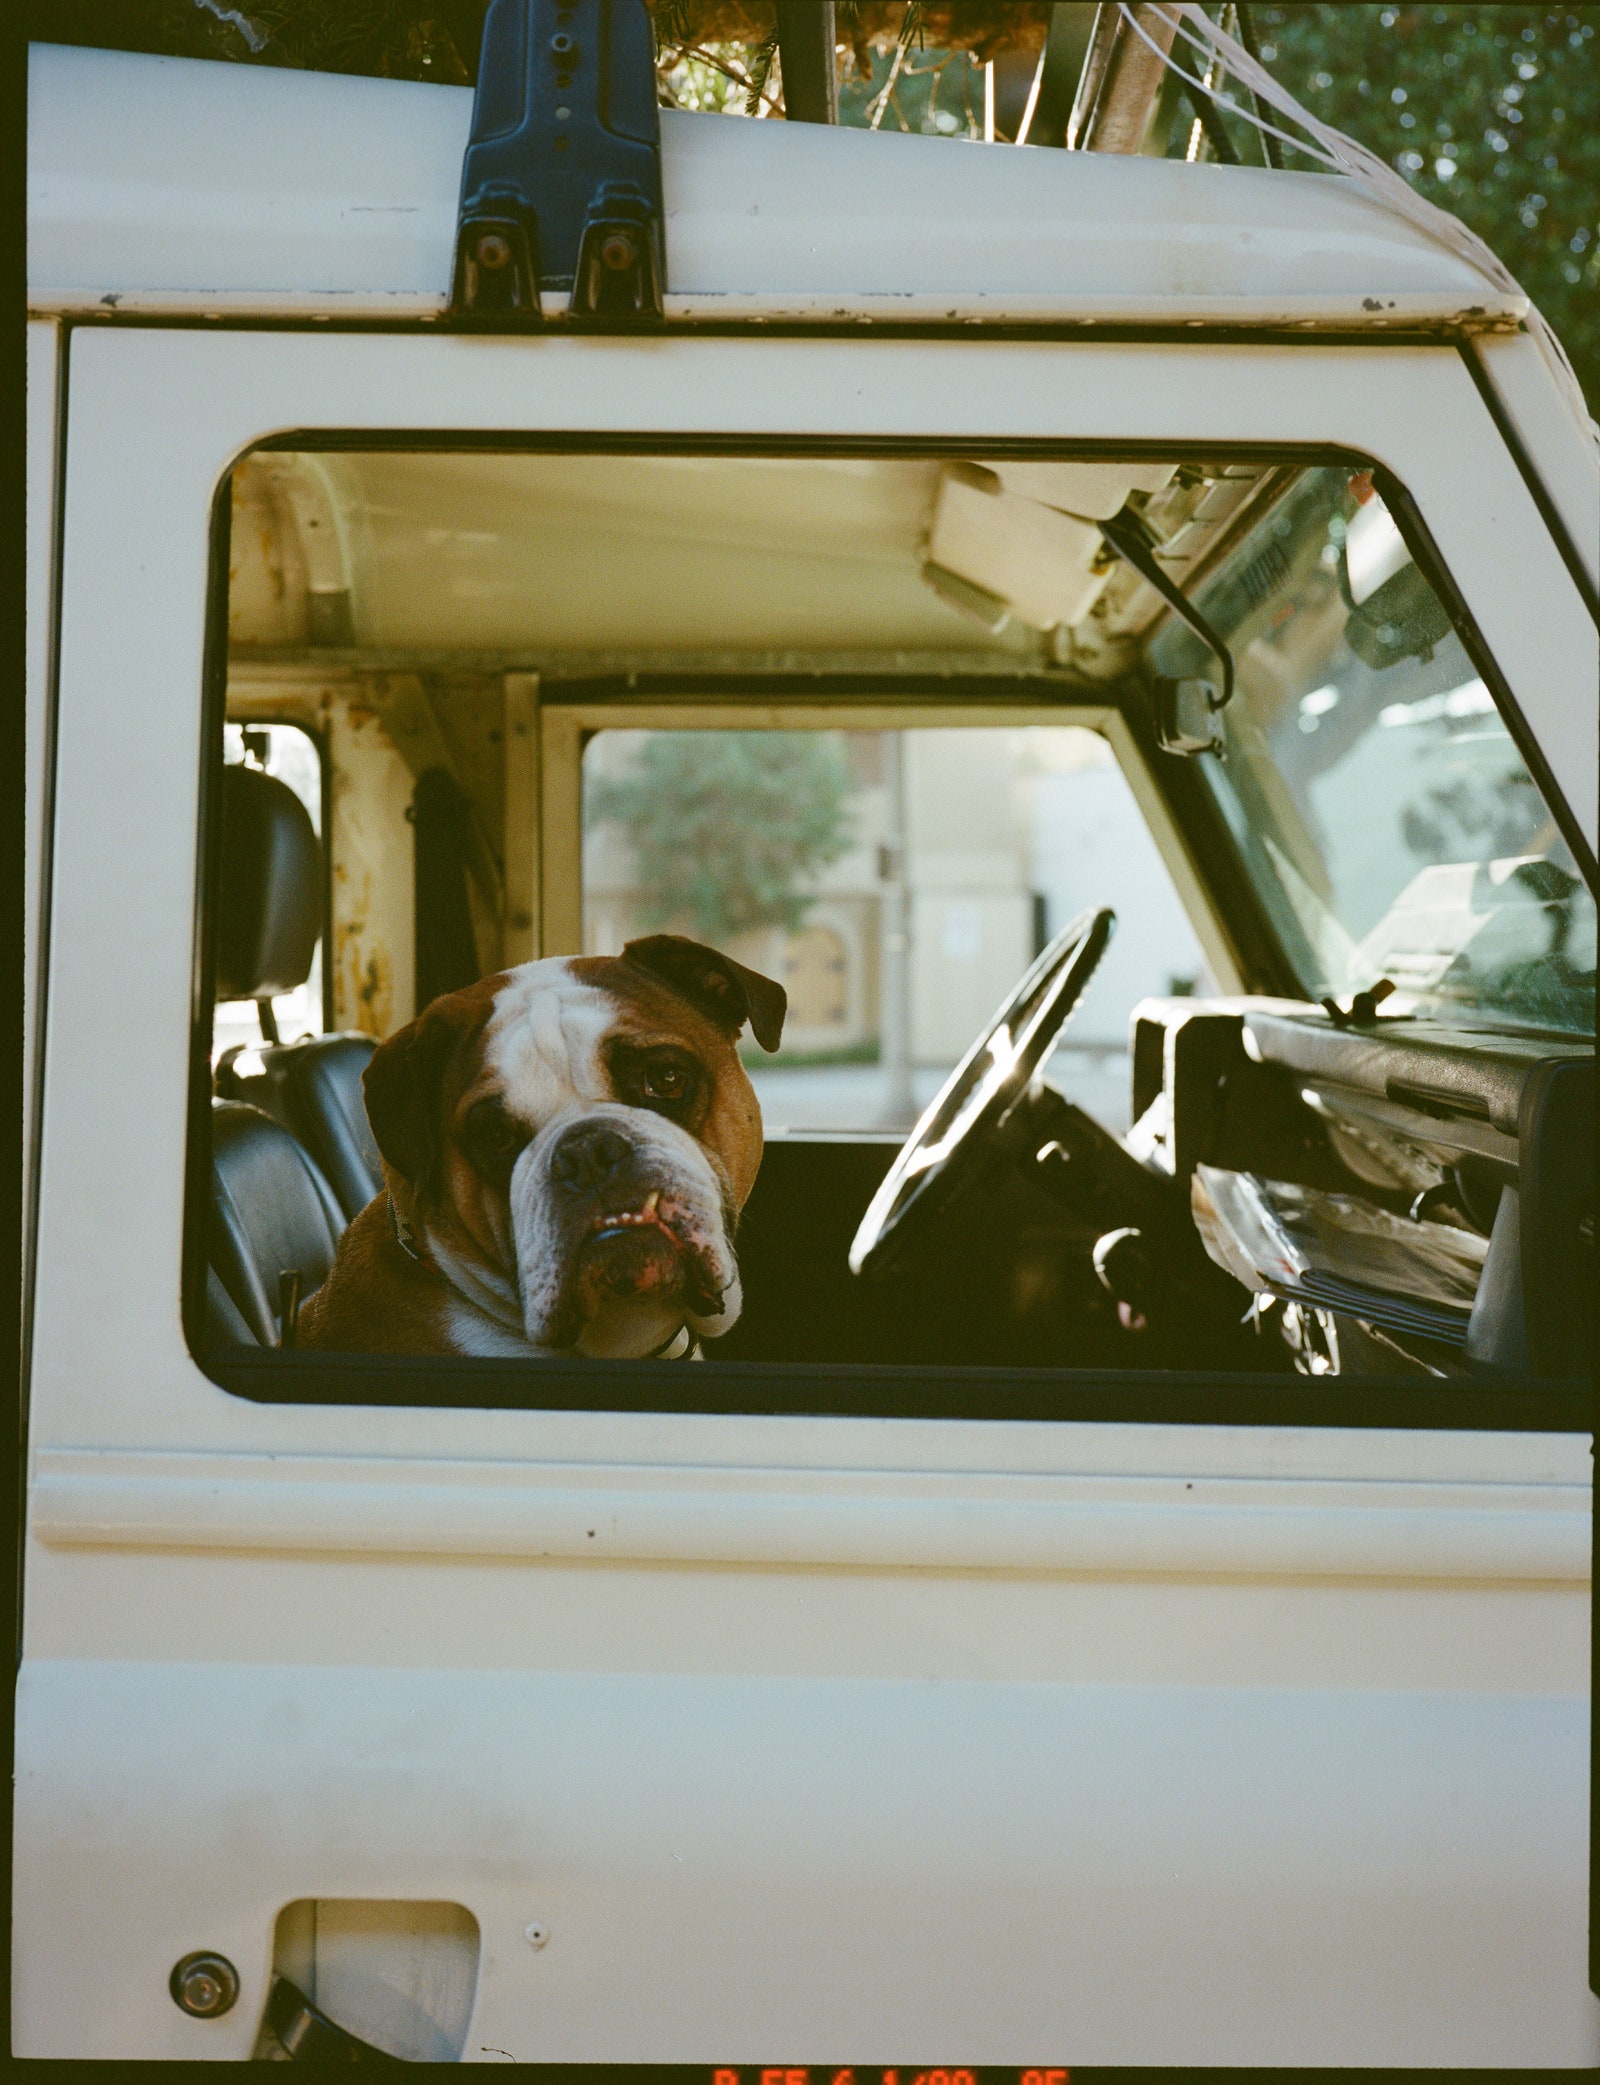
(898, 883)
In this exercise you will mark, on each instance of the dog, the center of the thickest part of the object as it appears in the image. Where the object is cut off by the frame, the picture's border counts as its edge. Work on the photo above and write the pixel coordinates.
(566, 1149)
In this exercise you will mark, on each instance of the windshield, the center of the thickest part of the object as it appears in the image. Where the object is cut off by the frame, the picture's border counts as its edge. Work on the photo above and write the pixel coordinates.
(1379, 802)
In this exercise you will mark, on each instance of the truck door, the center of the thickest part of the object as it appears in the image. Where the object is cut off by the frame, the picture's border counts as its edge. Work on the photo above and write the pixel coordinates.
(928, 1715)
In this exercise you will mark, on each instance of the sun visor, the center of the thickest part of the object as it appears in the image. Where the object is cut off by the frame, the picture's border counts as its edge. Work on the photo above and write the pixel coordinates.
(1094, 490)
(1039, 563)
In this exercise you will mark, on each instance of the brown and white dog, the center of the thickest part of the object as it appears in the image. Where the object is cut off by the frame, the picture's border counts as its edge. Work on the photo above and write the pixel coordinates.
(567, 1147)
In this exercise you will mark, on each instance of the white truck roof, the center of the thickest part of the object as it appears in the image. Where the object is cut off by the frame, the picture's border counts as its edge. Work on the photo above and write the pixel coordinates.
(174, 185)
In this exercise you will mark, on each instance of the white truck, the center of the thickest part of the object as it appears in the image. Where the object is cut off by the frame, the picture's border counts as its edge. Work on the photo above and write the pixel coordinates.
(1015, 1659)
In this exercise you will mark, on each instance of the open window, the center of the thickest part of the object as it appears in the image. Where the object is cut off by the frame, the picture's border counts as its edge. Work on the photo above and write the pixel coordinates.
(888, 731)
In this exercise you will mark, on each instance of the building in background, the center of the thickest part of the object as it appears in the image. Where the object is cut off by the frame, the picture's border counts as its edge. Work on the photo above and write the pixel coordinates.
(1007, 835)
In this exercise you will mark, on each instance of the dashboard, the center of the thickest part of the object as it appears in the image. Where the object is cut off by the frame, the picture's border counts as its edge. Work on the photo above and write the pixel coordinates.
(1489, 1134)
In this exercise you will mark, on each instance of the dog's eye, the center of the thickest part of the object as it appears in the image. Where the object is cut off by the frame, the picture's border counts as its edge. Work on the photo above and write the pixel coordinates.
(655, 1075)
(665, 1079)
(495, 1133)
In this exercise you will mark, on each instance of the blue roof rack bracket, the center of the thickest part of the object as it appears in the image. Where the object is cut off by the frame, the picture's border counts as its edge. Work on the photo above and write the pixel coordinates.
(561, 185)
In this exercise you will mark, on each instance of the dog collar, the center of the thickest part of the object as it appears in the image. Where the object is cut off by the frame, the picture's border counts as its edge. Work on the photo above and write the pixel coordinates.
(682, 1346)
(402, 1233)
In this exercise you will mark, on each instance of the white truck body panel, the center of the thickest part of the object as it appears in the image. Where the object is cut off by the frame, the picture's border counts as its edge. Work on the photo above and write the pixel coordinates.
(868, 1865)
(1568, 470)
(44, 427)
(168, 184)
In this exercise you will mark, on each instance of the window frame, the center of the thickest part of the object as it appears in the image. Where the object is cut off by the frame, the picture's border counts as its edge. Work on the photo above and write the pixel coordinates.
(875, 1391)
(1188, 827)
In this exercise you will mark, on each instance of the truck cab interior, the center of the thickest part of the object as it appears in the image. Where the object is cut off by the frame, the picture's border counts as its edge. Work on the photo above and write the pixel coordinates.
(1019, 721)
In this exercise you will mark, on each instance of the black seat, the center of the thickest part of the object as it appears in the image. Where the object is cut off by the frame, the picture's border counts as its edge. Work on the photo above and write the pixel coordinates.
(313, 1087)
(272, 1214)
(271, 913)
(270, 906)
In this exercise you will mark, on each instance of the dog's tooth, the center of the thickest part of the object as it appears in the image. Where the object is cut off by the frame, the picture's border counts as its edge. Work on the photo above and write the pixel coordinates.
(650, 1202)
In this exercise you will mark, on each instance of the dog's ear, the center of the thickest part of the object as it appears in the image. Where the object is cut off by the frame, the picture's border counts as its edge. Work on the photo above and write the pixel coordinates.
(405, 1082)
(723, 990)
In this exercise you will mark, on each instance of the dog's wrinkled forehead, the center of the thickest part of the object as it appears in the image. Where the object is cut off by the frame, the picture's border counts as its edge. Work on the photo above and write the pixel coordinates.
(543, 1041)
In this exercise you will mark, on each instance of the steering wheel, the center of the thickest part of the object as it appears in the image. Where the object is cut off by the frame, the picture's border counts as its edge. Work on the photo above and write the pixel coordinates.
(961, 1124)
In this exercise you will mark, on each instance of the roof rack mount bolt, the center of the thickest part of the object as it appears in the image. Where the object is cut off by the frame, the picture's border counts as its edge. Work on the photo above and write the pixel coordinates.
(561, 184)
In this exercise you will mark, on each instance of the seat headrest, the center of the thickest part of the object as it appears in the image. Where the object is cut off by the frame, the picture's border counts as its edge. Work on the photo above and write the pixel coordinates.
(272, 896)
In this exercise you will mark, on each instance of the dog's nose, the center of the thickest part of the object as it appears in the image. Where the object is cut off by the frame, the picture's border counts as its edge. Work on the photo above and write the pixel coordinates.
(589, 1158)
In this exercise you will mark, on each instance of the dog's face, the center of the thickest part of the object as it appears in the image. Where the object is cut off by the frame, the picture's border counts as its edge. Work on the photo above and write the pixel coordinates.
(572, 1141)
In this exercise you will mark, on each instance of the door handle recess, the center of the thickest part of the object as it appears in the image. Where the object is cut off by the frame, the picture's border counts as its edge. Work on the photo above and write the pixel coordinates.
(307, 2035)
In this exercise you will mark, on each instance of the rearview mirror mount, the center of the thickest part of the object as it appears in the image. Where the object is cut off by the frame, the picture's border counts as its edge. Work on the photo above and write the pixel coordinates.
(1186, 717)
(1186, 710)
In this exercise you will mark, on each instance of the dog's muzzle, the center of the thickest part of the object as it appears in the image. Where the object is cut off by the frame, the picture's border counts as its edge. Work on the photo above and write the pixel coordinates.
(622, 1232)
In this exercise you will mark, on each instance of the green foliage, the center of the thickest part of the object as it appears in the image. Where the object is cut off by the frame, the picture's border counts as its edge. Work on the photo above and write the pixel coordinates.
(1491, 112)
(937, 92)
(725, 826)
(868, 1052)
(715, 79)
(387, 39)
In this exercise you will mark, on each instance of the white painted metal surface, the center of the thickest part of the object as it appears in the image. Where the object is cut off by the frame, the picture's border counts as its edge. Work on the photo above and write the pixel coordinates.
(44, 405)
(1568, 469)
(975, 1741)
(169, 184)
(894, 1868)
(1514, 1519)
